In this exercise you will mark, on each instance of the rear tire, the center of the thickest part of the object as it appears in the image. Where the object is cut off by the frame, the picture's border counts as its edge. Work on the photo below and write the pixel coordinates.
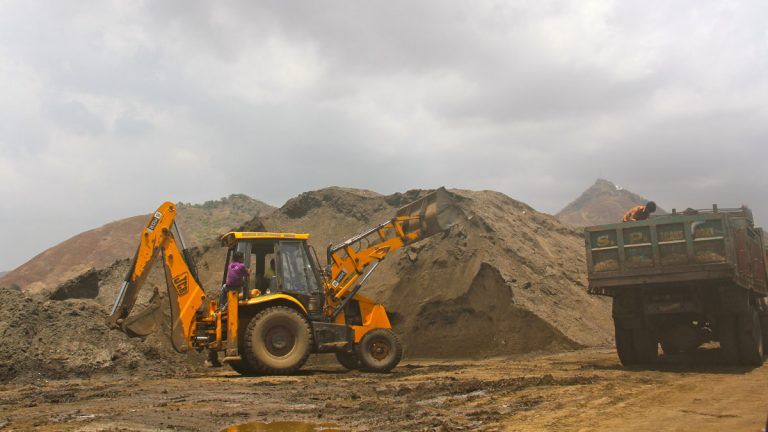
(729, 346)
(278, 340)
(764, 328)
(379, 351)
(670, 349)
(243, 367)
(348, 359)
(750, 338)
(625, 346)
(646, 346)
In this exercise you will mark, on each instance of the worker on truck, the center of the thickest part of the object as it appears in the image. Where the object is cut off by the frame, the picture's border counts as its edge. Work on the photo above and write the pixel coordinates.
(641, 212)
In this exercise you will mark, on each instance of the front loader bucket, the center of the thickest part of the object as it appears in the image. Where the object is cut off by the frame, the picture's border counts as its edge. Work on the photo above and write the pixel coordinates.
(432, 214)
(147, 321)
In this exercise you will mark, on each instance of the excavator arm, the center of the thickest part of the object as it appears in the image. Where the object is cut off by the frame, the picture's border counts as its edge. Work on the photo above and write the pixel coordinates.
(352, 261)
(160, 238)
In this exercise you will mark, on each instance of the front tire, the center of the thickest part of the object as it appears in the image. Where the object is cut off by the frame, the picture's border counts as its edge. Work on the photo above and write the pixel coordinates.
(379, 351)
(278, 340)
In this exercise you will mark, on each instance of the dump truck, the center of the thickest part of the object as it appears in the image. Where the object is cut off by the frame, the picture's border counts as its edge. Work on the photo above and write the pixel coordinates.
(681, 280)
(290, 305)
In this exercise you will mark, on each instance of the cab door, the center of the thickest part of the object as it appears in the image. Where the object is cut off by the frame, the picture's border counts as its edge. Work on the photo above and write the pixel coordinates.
(296, 276)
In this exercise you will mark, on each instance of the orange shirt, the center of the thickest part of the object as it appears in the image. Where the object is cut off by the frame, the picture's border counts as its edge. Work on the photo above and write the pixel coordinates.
(635, 214)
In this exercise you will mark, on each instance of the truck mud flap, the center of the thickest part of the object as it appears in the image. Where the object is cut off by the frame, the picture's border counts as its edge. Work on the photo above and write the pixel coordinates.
(432, 214)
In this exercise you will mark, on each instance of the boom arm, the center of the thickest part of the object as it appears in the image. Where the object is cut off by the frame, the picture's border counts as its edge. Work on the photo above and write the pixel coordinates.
(186, 296)
(416, 221)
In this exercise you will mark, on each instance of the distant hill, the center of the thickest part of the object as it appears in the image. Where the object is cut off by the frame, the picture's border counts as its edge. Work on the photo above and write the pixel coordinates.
(3, 273)
(100, 247)
(603, 203)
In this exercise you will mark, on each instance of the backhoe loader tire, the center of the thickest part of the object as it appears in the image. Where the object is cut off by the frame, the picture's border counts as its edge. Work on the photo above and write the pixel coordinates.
(379, 351)
(278, 340)
(243, 367)
(348, 359)
(750, 338)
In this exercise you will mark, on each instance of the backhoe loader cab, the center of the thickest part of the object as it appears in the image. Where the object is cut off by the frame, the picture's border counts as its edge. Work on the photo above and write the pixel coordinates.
(296, 273)
(282, 314)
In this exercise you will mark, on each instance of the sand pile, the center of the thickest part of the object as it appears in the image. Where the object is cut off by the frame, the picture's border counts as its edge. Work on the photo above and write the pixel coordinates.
(506, 280)
(44, 338)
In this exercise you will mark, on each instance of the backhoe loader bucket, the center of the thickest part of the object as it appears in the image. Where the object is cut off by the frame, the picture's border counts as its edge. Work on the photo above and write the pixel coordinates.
(432, 214)
(147, 321)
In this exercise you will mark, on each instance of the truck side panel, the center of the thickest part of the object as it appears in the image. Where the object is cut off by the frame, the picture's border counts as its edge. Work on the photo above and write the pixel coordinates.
(676, 248)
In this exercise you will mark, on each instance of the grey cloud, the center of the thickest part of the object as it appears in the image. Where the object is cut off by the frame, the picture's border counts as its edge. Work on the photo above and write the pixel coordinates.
(193, 100)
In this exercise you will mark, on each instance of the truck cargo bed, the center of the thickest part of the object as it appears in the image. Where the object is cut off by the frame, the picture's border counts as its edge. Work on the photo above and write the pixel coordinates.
(697, 245)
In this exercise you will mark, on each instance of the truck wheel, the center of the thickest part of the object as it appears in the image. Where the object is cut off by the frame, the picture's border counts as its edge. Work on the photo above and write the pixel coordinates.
(750, 338)
(670, 348)
(729, 346)
(625, 347)
(646, 346)
(764, 329)
(348, 359)
(278, 340)
(380, 350)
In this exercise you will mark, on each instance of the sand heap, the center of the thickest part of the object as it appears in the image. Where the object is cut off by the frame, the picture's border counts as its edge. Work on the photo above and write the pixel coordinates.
(508, 279)
(505, 280)
(45, 338)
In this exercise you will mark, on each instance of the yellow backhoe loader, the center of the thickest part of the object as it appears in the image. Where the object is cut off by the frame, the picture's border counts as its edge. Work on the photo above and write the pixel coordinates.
(289, 306)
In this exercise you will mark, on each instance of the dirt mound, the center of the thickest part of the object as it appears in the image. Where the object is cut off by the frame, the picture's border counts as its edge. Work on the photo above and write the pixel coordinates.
(45, 338)
(603, 203)
(100, 247)
(461, 325)
(84, 286)
(506, 280)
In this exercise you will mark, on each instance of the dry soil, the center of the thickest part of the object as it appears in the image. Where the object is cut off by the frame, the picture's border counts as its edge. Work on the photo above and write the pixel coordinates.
(583, 390)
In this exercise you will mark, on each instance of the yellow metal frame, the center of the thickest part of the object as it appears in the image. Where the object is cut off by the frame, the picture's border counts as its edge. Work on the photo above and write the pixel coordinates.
(273, 297)
(230, 238)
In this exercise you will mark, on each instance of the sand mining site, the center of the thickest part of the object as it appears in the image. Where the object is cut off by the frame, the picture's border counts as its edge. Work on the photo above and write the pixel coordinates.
(499, 334)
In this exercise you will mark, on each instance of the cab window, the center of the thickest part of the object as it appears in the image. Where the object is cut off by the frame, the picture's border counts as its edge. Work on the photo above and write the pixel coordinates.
(296, 271)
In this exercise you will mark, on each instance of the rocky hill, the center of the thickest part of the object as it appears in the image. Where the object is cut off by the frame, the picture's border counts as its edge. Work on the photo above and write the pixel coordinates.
(507, 279)
(99, 248)
(602, 203)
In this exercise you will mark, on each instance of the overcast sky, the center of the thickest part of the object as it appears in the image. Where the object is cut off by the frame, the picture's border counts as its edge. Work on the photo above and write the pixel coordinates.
(108, 108)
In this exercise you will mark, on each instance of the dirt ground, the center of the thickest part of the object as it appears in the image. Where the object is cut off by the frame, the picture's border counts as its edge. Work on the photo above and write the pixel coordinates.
(583, 390)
